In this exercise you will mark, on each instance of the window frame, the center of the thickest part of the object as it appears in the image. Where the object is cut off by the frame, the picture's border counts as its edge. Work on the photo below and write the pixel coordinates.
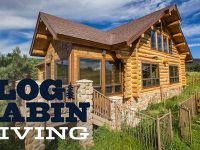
(113, 85)
(152, 86)
(155, 34)
(167, 45)
(55, 69)
(101, 70)
(170, 43)
(163, 35)
(174, 77)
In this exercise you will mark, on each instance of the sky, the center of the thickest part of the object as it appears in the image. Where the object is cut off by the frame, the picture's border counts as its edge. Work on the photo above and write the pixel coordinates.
(18, 17)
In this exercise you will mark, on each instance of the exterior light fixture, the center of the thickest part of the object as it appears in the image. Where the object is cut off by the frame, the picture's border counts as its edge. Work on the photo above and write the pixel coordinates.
(103, 52)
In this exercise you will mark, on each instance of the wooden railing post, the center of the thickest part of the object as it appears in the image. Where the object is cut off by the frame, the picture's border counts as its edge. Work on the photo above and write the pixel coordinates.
(158, 133)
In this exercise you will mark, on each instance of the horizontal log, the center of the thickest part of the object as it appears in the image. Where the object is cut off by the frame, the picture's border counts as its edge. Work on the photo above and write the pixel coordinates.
(39, 52)
(174, 23)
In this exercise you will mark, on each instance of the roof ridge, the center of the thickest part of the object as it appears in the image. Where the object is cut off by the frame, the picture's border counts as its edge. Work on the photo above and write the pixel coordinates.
(72, 21)
(149, 14)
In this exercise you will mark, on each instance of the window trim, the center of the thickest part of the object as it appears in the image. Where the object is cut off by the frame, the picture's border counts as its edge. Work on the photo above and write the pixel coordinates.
(55, 69)
(167, 45)
(151, 63)
(163, 34)
(170, 45)
(174, 76)
(155, 39)
(101, 70)
(121, 78)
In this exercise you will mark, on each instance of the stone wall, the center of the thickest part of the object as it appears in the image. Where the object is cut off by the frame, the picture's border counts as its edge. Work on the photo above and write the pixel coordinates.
(85, 94)
(151, 97)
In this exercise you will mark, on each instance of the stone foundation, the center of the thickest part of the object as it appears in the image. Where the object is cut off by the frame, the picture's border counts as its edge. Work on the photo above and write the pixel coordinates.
(151, 97)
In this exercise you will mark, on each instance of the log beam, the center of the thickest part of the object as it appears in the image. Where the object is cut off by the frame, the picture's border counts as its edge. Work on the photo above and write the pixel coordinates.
(174, 23)
(42, 36)
(186, 53)
(180, 44)
(177, 35)
(39, 52)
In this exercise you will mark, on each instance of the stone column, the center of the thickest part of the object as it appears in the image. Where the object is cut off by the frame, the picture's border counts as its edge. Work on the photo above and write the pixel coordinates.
(116, 102)
(85, 94)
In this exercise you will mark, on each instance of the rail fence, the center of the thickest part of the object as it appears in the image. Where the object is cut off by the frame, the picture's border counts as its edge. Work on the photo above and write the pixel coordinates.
(188, 109)
(152, 133)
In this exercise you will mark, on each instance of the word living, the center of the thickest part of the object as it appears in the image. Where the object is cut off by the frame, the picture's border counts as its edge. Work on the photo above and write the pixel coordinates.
(50, 130)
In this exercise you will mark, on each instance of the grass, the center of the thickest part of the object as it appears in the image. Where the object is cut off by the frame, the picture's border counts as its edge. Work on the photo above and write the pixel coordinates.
(105, 139)
(172, 104)
(110, 140)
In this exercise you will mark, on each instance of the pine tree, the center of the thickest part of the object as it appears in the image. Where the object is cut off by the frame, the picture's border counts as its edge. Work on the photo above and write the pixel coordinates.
(70, 94)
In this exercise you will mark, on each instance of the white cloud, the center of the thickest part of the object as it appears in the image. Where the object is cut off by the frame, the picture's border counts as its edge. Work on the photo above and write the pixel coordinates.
(191, 30)
(27, 35)
(194, 45)
(23, 14)
(7, 45)
(19, 15)
(189, 7)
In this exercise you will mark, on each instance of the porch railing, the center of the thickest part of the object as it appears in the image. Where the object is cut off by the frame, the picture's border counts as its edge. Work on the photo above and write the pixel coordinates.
(101, 105)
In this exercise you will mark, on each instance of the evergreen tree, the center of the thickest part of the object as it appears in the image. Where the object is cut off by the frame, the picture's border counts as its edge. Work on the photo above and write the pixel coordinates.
(70, 93)
(14, 66)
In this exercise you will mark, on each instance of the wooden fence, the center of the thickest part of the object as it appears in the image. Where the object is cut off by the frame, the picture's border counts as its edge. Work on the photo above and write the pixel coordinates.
(151, 132)
(188, 109)
(195, 79)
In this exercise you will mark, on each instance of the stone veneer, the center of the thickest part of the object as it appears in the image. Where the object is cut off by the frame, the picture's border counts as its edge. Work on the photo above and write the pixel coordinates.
(85, 94)
(151, 97)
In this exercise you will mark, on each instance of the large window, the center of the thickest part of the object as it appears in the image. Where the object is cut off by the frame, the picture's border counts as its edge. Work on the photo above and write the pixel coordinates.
(170, 46)
(173, 74)
(150, 75)
(165, 44)
(48, 71)
(113, 77)
(91, 69)
(62, 71)
(153, 39)
(159, 41)
(162, 42)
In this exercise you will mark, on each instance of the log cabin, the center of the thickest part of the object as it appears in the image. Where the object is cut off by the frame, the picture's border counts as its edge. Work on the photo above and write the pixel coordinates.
(143, 61)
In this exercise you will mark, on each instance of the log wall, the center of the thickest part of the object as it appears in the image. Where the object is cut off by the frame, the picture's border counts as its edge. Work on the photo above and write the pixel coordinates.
(145, 54)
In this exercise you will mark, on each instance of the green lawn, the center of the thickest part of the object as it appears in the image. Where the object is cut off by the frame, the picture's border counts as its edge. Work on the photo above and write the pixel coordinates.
(110, 140)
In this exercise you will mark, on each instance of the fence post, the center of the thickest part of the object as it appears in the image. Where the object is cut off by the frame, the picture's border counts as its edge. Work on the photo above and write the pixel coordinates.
(158, 132)
(85, 94)
(190, 125)
(170, 127)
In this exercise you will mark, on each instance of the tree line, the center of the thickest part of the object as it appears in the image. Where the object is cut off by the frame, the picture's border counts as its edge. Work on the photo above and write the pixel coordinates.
(15, 66)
